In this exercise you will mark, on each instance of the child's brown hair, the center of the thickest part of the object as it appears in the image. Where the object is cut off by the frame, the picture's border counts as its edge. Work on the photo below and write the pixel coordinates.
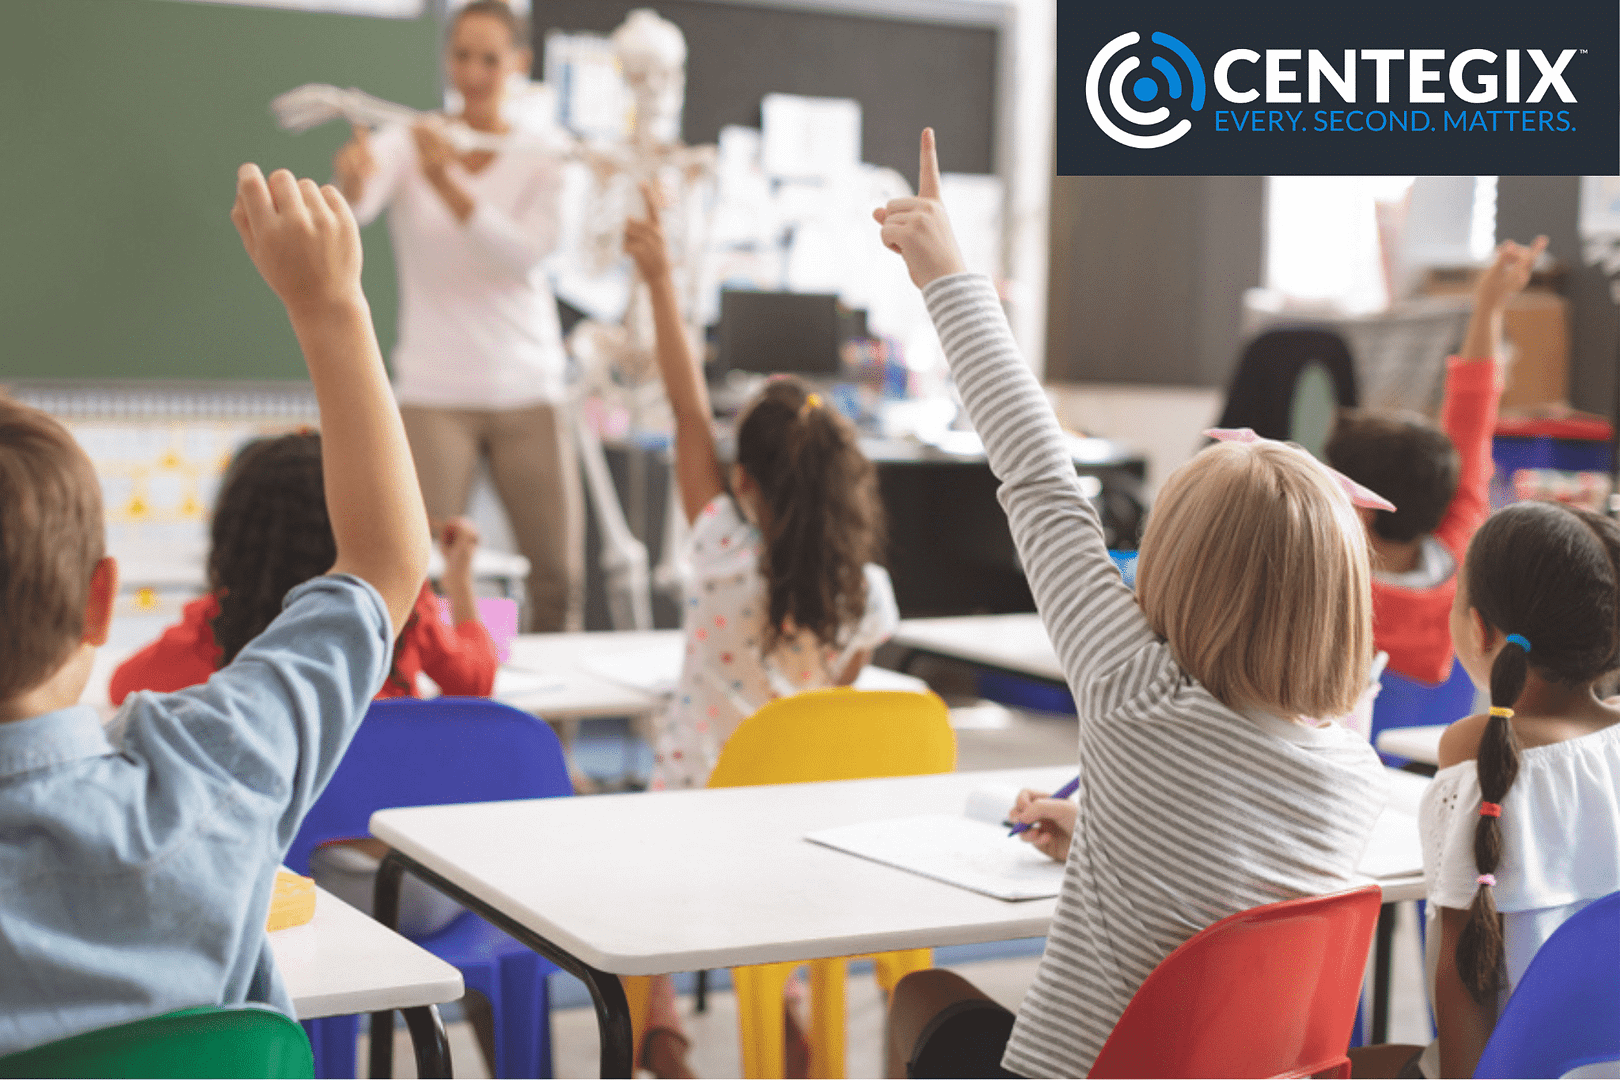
(51, 538)
(823, 520)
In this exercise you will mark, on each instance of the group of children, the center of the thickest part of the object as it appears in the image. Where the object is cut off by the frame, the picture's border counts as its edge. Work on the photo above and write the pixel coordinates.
(136, 863)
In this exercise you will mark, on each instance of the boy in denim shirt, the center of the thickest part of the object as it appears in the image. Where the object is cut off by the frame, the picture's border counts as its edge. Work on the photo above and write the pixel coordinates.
(136, 879)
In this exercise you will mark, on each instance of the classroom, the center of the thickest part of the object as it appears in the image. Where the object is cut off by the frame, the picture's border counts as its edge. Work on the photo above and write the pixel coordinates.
(808, 538)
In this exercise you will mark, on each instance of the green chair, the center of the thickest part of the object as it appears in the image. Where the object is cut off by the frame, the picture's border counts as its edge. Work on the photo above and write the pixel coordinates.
(250, 1041)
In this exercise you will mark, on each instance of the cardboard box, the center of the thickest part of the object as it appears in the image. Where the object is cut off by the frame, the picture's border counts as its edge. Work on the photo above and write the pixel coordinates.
(1536, 326)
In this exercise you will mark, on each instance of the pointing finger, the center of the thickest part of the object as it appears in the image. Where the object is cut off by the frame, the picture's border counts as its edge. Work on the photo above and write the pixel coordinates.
(928, 167)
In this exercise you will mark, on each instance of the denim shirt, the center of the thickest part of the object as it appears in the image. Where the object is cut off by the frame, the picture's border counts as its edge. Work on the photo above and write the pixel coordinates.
(136, 870)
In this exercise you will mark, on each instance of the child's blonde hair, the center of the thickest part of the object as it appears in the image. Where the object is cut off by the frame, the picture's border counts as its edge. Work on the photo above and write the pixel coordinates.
(1254, 568)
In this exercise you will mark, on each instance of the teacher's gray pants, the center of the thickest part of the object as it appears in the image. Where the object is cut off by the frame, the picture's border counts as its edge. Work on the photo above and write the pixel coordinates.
(535, 469)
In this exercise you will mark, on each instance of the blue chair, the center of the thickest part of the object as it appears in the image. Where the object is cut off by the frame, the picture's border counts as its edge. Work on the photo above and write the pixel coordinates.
(428, 753)
(1565, 1012)
(1404, 702)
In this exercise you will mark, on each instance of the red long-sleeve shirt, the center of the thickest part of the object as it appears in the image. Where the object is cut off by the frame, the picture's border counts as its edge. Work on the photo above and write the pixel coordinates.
(1414, 625)
(461, 659)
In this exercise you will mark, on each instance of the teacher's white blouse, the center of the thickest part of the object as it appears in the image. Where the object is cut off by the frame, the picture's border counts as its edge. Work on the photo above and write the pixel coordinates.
(477, 321)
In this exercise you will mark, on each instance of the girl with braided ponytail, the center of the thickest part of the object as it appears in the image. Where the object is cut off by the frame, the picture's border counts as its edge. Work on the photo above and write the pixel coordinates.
(270, 533)
(784, 593)
(1519, 825)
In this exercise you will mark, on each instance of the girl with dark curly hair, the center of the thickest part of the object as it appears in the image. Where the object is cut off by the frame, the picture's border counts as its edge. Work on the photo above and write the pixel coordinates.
(270, 533)
(784, 594)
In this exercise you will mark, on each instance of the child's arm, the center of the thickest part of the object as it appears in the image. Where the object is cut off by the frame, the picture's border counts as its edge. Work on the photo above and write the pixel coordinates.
(462, 658)
(1473, 386)
(1462, 1024)
(458, 539)
(519, 243)
(1090, 614)
(697, 463)
(305, 243)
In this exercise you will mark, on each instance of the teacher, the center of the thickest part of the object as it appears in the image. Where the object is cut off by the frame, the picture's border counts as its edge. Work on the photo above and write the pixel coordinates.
(479, 363)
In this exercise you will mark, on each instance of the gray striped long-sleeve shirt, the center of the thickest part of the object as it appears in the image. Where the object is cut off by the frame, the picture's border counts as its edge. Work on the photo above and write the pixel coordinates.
(1189, 811)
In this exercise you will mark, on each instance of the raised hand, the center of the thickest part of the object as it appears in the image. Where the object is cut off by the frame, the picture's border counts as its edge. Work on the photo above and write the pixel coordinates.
(354, 164)
(301, 237)
(918, 228)
(1508, 273)
(458, 538)
(1051, 822)
(644, 237)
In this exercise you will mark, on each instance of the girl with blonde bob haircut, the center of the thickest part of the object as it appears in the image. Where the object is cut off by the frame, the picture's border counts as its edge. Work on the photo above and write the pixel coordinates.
(1254, 569)
(1208, 782)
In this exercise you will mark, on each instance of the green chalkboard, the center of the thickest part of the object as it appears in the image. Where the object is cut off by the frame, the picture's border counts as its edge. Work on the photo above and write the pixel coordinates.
(123, 122)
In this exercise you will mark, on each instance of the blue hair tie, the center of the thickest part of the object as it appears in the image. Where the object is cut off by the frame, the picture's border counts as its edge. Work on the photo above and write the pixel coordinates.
(1520, 640)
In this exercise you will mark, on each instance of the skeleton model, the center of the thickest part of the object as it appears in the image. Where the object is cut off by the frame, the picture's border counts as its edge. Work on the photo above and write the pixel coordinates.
(618, 359)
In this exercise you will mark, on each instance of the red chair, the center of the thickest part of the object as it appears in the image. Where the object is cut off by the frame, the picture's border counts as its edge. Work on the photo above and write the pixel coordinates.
(1267, 992)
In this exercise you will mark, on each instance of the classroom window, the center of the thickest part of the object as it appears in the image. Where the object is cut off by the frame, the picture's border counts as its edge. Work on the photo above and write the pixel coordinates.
(1358, 243)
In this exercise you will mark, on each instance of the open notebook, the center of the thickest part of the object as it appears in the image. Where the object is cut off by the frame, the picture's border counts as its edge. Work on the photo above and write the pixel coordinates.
(973, 851)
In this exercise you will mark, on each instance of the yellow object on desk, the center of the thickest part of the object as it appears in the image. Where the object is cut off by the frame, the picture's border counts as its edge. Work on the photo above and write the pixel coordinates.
(293, 901)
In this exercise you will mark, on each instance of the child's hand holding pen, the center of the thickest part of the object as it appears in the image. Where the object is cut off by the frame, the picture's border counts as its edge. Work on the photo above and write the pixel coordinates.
(1047, 821)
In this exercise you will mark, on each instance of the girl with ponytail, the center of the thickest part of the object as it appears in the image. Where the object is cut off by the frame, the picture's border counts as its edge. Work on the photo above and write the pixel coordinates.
(1519, 825)
(784, 592)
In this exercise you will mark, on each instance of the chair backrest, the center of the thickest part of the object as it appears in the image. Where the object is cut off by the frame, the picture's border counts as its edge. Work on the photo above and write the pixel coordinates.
(1565, 1012)
(1263, 389)
(839, 734)
(1267, 992)
(1403, 702)
(209, 1041)
(426, 753)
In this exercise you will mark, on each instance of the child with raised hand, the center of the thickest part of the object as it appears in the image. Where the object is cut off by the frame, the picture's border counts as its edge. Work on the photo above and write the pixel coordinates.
(137, 877)
(785, 593)
(1207, 783)
(1519, 826)
(1438, 477)
(271, 532)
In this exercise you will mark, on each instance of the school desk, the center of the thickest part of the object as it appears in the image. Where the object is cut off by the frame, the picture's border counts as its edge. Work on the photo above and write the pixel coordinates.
(687, 880)
(345, 962)
(1016, 644)
(601, 673)
(1419, 744)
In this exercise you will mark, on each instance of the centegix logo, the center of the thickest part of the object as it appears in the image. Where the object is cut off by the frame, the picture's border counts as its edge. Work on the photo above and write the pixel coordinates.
(1267, 88)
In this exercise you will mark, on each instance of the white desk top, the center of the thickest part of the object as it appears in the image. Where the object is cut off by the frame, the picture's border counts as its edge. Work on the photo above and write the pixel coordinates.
(614, 673)
(1420, 744)
(343, 962)
(681, 881)
(1016, 643)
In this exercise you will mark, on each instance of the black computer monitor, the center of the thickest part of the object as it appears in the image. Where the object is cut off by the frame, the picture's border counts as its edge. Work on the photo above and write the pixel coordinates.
(770, 332)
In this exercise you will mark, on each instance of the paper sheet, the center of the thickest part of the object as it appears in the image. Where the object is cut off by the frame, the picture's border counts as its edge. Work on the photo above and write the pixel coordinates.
(1395, 848)
(956, 850)
(979, 856)
(515, 682)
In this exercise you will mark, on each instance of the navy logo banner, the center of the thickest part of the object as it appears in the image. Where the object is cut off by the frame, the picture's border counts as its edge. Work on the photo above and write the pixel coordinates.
(1369, 88)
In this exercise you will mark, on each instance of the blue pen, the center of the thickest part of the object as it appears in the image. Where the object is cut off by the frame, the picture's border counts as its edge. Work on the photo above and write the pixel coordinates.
(1061, 793)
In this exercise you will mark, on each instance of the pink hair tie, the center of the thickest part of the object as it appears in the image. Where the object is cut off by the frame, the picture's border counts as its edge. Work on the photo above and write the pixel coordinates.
(1490, 809)
(1364, 497)
(1488, 880)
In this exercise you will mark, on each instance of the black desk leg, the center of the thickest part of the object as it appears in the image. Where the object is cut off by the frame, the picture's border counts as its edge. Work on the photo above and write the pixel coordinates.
(607, 992)
(1384, 947)
(428, 1037)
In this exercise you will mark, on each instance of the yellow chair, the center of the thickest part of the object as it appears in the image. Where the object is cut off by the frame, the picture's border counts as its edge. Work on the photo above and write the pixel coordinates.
(837, 734)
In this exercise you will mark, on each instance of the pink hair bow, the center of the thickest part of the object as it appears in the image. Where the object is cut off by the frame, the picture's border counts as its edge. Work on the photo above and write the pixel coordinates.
(1360, 496)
